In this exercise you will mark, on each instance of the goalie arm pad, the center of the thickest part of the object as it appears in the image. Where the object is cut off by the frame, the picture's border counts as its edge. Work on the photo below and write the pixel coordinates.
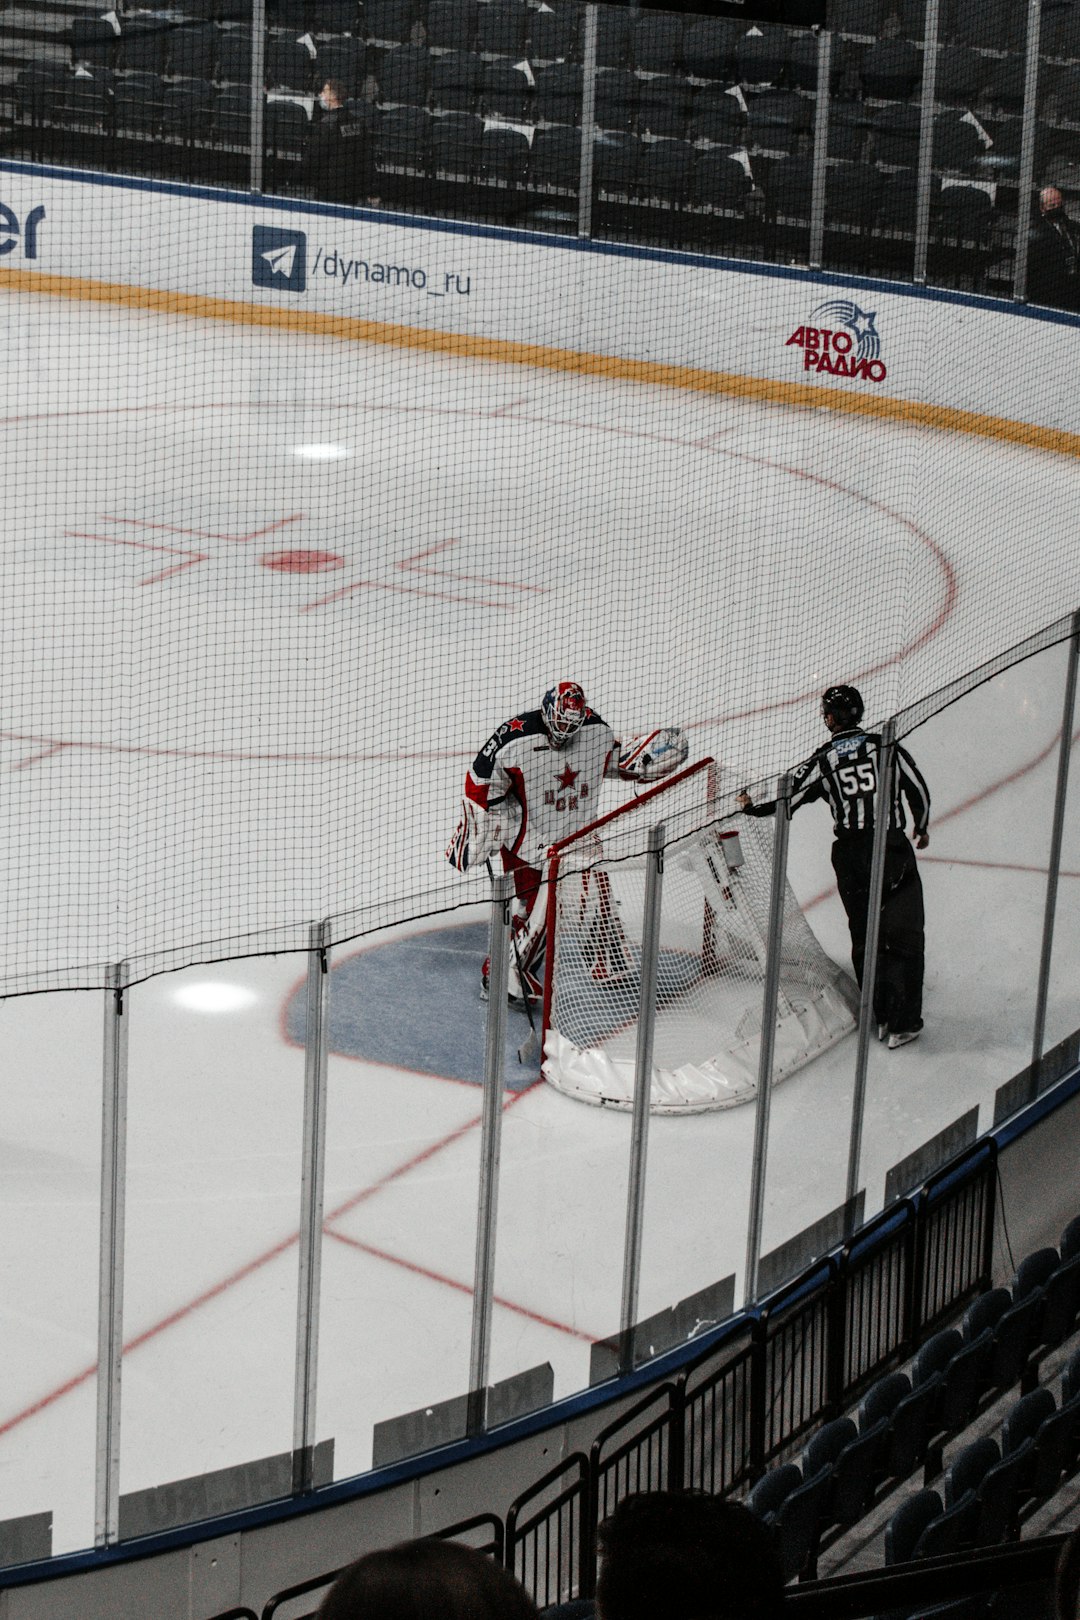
(477, 836)
(654, 754)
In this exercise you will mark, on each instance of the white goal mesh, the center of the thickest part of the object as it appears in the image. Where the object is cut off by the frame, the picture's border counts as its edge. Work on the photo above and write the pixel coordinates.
(711, 970)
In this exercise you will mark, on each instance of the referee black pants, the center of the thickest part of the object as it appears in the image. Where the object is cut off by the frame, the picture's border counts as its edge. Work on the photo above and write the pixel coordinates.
(901, 949)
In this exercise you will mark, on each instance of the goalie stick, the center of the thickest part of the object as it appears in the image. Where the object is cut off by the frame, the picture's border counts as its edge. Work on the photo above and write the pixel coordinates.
(529, 1044)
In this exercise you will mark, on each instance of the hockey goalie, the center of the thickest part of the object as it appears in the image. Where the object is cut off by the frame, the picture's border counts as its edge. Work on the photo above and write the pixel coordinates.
(534, 782)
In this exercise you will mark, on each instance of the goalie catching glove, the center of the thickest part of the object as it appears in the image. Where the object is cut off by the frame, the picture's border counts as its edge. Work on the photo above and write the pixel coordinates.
(654, 754)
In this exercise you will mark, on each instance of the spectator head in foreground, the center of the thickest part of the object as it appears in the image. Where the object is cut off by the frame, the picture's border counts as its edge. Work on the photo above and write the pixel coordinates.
(419, 1580)
(687, 1557)
(1067, 1580)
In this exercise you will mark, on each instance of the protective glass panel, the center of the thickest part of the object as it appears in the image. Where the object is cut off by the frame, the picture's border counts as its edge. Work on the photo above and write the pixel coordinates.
(989, 763)
(406, 1042)
(1063, 1001)
(50, 1130)
(215, 1110)
(1053, 277)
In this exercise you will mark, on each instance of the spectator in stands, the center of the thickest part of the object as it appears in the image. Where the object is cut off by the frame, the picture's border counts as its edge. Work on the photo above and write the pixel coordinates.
(1067, 1582)
(1054, 255)
(418, 1580)
(687, 1556)
(338, 163)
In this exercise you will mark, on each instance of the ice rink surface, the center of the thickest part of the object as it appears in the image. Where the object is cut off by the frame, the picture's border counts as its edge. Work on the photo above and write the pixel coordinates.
(246, 673)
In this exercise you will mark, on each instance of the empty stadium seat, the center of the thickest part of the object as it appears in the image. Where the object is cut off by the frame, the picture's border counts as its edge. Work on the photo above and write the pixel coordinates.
(290, 63)
(663, 106)
(552, 32)
(719, 181)
(664, 172)
(186, 109)
(94, 40)
(557, 98)
(890, 70)
(853, 1460)
(717, 114)
(286, 128)
(615, 163)
(556, 159)
(87, 99)
(852, 194)
(39, 91)
(908, 1524)
(776, 119)
(143, 44)
(501, 28)
(656, 42)
(504, 156)
(761, 55)
(895, 132)
(616, 99)
(193, 50)
(404, 140)
(451, 24)
(796, 1523)
(234, 56)
(389, 21)
(138, 101)
(231, 122)
(455, 144)
(404, 76)
(709, 46)
(772, 1488)
(613, 36)
(455, 81)
(505, 91)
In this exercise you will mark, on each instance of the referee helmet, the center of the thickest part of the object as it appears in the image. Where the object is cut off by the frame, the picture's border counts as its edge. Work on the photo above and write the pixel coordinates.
(844, 703)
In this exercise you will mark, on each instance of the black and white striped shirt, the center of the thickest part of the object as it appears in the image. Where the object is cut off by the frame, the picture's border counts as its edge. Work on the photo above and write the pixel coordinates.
(844, 772)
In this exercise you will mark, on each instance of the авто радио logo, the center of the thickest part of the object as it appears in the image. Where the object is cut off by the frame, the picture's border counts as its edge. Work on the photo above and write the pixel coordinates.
(841, 339)
(278, 259)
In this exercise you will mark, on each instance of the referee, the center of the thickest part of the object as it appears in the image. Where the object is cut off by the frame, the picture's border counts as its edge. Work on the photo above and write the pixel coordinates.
(844, 773)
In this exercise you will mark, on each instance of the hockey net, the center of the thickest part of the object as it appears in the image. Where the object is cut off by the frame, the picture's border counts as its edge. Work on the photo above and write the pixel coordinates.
(711, 969)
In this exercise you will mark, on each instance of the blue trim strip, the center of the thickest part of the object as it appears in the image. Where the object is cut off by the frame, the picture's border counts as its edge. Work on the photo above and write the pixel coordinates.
(569, 244)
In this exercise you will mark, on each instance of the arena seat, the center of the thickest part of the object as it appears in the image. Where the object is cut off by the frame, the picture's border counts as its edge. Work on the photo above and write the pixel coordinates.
(556, 159)
(853, 1459)
(389, 21)
(505, 92)
(501, 28)
(404, 139)
(664, 107)
(451, 24)
(455, 81)
(709, 45)
(557, 98)
(193, 50)
(907, 1525)
(656, 44)
(404, 76)
(616, 99)
(234, 56)
(552, 33)
(186, 110)
(717, 114)
(94, 41)
(138, 99)
(87, 98)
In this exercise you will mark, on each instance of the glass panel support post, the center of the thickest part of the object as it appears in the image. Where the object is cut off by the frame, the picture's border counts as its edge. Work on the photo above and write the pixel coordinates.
(588, 121)
(1057, 834)
(111, 1259)
(312, 1190)
(882, 816)
(490, 1144)
(258, 94)
(926, 138)
(821, 149)
(770, 999)
(643, 1074)
(1027, 151)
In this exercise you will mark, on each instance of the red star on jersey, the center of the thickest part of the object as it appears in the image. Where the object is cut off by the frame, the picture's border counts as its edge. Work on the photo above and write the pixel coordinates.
(568, 777)
(517, 725)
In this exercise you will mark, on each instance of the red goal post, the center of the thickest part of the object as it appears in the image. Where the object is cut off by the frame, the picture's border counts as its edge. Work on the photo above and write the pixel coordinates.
(713, 929)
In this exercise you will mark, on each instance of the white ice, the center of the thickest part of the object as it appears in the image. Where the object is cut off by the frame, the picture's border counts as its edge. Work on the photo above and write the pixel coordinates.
(224, 749)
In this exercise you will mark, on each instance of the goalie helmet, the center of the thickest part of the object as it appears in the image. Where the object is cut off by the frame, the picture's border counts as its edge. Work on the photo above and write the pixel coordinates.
(844, 703)
(563, 710)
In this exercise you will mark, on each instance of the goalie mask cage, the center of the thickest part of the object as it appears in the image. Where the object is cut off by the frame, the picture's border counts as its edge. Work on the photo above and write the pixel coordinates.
(711, 969)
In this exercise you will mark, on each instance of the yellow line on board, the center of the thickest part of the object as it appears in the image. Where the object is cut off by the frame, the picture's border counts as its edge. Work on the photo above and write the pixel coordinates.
(465, 345)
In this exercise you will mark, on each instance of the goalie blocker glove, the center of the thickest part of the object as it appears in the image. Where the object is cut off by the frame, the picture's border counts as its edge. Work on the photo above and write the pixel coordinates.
(655, 754)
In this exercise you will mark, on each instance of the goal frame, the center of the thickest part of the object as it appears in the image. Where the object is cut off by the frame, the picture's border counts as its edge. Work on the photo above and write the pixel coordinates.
(555, 854)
